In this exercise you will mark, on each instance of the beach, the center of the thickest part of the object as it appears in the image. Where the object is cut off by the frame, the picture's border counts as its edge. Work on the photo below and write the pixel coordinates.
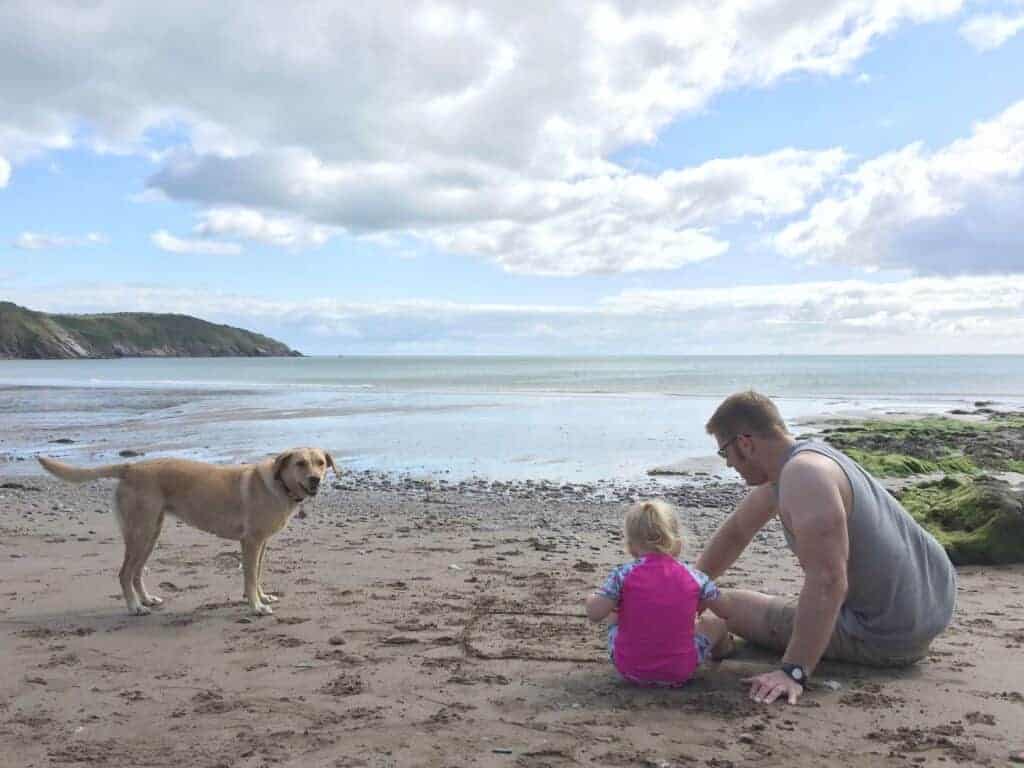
(431, 607)
(431, 623)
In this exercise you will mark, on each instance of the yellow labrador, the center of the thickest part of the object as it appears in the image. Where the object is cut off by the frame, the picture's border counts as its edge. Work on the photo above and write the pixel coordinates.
(247, 503)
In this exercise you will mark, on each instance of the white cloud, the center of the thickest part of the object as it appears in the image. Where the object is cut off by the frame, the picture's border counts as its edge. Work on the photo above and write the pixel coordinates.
(955, 210)
(964, 314)
(37, 241)
(609, 223)
(989, 31)
(165, 241)
(5, 172)
(254, 225)
(461, 122)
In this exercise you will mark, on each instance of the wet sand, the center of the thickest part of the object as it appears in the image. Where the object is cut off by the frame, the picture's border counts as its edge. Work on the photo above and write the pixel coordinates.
(428, 624)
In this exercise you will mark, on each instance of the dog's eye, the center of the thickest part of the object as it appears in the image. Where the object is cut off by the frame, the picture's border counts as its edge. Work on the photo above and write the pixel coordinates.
(301, 462)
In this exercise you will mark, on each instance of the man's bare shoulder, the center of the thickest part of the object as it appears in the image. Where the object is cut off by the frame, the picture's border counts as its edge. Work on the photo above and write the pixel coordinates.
(810, 467)
(811, 482)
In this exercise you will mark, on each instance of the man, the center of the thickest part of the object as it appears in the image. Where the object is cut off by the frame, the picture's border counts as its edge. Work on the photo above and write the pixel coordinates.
(877, 587)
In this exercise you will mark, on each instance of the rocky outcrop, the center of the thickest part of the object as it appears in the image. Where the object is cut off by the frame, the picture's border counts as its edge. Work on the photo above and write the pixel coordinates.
(978, 520)
(25, 334)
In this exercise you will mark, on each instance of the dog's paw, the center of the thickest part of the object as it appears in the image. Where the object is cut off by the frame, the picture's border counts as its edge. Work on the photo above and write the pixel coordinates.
(139, 610)
(259, 609)
(270, 598)
(152, 600)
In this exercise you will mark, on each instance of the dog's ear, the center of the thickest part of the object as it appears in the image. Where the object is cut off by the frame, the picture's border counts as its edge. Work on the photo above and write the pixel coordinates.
(331, 464)
(281, 462)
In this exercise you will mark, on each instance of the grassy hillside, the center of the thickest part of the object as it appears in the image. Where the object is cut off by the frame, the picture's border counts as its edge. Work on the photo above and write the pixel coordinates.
(25, 334)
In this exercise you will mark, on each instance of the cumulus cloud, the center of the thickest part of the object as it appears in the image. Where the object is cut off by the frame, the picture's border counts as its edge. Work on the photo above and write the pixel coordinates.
(989, 31)
(37, 241)
(609, 223)
(165, 241)
(254, 225)
(954, 210)
(5, 172)
(480, 125)
(961, 314)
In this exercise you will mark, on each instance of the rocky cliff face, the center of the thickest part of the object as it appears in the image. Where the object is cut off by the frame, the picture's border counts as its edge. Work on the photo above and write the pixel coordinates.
(25, 334)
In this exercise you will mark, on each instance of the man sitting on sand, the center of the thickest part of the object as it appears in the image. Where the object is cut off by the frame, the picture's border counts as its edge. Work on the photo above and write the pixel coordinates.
(877, 587)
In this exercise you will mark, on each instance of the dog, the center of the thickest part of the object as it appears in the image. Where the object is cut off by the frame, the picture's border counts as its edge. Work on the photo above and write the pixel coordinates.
(248, 503)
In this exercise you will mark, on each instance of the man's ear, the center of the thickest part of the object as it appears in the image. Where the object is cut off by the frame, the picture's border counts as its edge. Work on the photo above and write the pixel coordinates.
(280, 463)
(331, 464)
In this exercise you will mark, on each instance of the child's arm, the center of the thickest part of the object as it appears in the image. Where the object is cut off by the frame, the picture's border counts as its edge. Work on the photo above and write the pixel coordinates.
(599, 606)
(709, 594)
(606, 599)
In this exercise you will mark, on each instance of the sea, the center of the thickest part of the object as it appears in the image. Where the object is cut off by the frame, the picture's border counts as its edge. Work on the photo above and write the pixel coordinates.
(561, 419)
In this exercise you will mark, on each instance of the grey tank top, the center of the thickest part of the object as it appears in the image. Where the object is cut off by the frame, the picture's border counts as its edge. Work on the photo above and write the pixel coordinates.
(902, 586)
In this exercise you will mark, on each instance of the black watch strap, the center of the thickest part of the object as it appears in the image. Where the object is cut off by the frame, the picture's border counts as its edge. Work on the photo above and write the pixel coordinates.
(796, 673)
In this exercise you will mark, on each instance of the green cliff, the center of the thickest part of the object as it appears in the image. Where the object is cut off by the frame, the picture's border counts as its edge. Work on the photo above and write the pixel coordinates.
(25, 334)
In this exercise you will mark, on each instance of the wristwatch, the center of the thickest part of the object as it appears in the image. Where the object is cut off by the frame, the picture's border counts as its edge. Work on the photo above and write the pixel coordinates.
(795, 672)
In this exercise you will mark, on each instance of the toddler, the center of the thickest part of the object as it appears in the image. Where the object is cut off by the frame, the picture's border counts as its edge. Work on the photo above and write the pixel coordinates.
(653, 603)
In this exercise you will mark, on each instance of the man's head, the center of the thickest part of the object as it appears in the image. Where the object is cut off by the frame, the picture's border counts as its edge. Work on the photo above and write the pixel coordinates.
(744, 423)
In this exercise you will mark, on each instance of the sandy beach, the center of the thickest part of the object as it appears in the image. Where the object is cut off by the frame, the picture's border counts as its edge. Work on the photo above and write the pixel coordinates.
(432, 624)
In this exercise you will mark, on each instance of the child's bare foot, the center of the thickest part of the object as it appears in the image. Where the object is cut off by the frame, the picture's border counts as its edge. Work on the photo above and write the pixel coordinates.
(724, 648)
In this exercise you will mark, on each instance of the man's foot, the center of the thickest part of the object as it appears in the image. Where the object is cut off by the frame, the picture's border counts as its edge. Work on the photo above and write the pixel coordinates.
(724, 648)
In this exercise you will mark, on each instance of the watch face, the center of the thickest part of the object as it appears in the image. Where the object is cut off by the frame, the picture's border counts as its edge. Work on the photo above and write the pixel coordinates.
(797, 673)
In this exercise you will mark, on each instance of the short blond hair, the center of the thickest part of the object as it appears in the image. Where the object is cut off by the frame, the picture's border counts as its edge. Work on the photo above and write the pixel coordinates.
(746, 413)
(652, 526)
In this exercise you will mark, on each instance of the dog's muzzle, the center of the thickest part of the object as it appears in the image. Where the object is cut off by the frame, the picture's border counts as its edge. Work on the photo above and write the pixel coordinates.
(312, 486)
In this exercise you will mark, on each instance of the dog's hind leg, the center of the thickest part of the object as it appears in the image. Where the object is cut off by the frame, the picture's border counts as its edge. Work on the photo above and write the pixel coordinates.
(250, 567)
(260, 560)
(140, 525)
(140, 588)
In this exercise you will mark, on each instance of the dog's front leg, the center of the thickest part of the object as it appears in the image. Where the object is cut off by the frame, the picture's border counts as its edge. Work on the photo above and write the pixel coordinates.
(259, 575)
(250, 567)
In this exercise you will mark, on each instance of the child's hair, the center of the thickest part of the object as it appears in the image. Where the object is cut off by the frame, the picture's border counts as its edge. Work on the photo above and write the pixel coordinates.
(652, 526)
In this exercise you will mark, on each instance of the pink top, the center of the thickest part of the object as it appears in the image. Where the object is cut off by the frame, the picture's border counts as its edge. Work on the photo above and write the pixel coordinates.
(657, 599)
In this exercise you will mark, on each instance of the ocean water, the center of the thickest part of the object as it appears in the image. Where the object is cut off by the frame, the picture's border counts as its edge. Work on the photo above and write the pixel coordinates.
(558, 418)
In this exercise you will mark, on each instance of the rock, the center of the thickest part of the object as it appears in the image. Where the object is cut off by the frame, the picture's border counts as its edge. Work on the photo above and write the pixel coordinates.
(978, 521)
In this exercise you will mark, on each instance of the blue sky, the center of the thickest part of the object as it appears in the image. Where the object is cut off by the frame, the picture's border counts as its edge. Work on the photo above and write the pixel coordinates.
(830, 177)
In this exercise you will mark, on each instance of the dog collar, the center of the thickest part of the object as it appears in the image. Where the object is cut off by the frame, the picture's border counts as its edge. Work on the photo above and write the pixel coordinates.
(288, 492)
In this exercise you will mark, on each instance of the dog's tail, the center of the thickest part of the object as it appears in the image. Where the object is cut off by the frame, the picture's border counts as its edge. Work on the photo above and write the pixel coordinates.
(77, 475)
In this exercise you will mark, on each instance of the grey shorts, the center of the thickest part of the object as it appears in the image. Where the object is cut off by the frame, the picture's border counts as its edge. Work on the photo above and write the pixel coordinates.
(842, 646)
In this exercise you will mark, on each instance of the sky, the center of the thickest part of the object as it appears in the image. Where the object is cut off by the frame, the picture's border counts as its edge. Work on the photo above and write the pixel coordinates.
(713, 177)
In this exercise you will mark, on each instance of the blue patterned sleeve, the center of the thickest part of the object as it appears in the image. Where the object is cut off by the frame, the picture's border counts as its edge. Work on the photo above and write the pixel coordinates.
(708, 588)
(612, 587)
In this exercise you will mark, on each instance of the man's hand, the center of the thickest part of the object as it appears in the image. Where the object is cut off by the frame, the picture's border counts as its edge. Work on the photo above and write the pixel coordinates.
(768, 687)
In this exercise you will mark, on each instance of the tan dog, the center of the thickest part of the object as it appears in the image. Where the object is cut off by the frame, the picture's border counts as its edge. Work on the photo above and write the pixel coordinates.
(247, 503)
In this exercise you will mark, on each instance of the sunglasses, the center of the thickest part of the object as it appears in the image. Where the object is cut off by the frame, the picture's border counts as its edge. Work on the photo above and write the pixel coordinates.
(723, 452)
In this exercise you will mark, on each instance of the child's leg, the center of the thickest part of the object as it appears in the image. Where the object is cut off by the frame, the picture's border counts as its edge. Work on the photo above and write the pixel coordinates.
(717, 633)
(613, 630)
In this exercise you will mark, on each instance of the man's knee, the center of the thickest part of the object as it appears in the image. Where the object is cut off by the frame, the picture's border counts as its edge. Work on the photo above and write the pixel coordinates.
(759, 618)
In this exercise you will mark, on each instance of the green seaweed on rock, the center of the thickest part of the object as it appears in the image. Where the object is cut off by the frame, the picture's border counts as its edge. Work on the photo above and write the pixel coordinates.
(977, 520)
(901, 465)
(933, 444)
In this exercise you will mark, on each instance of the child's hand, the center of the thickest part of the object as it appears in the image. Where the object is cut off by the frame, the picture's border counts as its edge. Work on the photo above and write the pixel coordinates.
(598, 607)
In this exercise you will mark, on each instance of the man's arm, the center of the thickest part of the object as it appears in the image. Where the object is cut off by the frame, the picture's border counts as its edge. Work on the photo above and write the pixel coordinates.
(812, 507)
(733, 536)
